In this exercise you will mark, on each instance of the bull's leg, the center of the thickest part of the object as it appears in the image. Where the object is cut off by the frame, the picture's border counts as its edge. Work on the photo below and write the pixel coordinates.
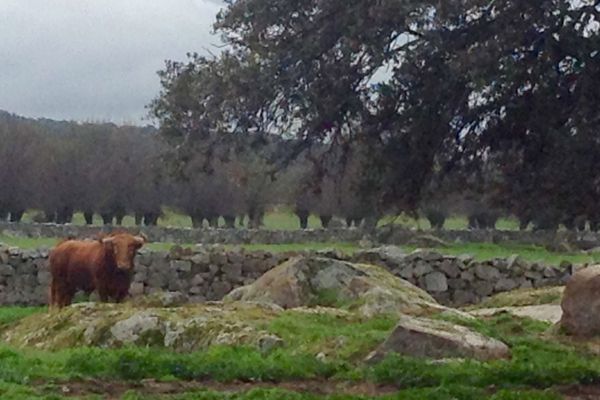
(103, 293)
(120, 296)
(65, 297)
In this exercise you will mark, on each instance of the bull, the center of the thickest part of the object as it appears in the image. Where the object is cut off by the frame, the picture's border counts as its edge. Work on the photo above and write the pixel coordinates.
(105, 265)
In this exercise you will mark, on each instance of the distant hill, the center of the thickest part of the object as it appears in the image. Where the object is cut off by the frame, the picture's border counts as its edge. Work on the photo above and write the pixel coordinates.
(52, 126)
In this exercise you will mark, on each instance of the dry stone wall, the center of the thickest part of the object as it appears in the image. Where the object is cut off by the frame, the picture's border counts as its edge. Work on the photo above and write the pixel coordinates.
(461, 280)
(209, 273)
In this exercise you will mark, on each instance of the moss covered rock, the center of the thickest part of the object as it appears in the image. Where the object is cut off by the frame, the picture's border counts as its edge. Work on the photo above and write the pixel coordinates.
(429, 338)
(186, 328)
(524, 297)
(313, 281)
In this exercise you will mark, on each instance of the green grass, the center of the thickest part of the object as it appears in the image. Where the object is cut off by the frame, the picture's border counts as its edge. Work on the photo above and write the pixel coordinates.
(452, 223)
(278, 219)
(337, 337)
(530, 253)
(480, 251)
(537, 364)
(28, 243)
(286, 220)
(9, 315)
(45, 242)
(445, 393)
(291, 247)
(282, 218)
(454, 392)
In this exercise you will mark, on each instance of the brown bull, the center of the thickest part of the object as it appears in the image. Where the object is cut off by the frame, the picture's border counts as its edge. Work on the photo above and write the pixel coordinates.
(105, 265)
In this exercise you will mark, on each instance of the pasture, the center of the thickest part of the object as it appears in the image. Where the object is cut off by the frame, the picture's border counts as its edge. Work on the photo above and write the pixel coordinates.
(539, 369)
(480, 251)
(282, 218)
(322, 357)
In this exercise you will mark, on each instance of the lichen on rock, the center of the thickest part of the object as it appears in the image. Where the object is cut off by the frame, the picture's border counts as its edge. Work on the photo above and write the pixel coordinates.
(366, 289)
(429, 338)
(188, 328)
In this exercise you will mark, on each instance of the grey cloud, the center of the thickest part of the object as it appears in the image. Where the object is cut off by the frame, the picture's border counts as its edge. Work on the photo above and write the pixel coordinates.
(95, 59)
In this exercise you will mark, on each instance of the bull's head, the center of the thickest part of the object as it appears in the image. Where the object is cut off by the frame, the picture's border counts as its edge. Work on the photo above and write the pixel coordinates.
(124, 248)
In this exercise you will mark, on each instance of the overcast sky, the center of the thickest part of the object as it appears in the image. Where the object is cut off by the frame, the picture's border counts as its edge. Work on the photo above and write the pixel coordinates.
(95, 59)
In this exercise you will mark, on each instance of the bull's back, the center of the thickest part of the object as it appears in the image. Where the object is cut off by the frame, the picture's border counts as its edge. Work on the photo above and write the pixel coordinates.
(73, 262)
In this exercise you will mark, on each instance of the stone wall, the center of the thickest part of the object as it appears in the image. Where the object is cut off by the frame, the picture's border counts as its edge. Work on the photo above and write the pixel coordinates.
(208, 273)
(461, 280)
(386, 235)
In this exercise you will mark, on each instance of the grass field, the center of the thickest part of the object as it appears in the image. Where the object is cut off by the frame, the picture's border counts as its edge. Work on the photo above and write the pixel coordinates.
(281, 220)
(284, 219)
(539, 368)
(480, 251)
(452, 223)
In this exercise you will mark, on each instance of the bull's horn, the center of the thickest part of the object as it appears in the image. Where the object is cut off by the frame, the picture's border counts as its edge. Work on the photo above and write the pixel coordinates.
(141, 238)
(108, 239)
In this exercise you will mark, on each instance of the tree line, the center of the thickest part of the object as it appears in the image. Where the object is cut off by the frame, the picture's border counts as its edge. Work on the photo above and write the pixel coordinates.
(60, 168)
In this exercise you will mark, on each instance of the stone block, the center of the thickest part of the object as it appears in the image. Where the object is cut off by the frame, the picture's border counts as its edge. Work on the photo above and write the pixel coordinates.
(436, 282)
(136, 289)
(483, 288)
(486, 272)
(422, 268)
(450, 268)
(505, 285)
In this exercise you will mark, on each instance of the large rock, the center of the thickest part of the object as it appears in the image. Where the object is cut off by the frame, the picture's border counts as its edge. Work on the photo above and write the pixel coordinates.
(309, 281)
(581, 303)
(428, 338)
(189, 328)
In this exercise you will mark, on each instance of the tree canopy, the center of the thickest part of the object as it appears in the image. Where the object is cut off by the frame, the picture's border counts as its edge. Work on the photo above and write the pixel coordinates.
(425, 87)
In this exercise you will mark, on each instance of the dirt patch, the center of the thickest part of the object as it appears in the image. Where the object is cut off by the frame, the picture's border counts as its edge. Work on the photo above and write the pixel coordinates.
(581, 392)
(112, 390)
